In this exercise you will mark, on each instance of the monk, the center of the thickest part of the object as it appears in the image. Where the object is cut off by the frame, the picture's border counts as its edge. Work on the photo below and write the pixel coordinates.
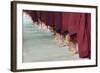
(79, 30)
(58, 22)
(83, 36)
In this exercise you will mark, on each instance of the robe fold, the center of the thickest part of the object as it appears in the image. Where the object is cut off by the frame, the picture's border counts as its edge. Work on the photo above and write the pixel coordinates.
(73, 22)
(58, 22)
(83, 37)
(38, 14)
(65, 21)
(50, 19)
(34, 16)
(89, 33)
(43, 17)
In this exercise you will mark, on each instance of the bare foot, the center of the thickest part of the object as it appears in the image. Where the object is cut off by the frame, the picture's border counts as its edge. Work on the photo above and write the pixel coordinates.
(72, 47)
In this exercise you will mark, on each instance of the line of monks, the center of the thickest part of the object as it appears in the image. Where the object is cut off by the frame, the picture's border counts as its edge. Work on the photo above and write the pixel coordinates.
(68, 28)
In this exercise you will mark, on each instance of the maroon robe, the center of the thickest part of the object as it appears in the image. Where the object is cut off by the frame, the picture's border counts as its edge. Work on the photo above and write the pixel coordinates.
(65, 21)
(34, 16)
(79, 24)
(89, 33)
(58, 22)
(83, 37)
(73, 22)
(50, 19)
(43, 16)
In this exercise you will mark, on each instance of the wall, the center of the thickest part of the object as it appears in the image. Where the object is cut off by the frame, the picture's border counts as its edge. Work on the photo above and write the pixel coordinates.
(5, 37)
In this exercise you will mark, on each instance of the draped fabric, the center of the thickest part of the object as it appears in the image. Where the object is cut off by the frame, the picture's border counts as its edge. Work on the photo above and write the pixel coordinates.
(83, 37)
(70, 23)
(73, 22)
(34, 16)
(38, 14)
(89, 33)
(58, 21)
(65, 21)
(50, 19)
(43, 16)
(77, 24)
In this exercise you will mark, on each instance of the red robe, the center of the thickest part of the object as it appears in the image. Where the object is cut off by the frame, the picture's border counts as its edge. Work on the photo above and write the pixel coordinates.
(79, 23)
(58, 21)
(34, 16)
(84, 37)
(43, 15)
(65, 21)
(50, 19)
